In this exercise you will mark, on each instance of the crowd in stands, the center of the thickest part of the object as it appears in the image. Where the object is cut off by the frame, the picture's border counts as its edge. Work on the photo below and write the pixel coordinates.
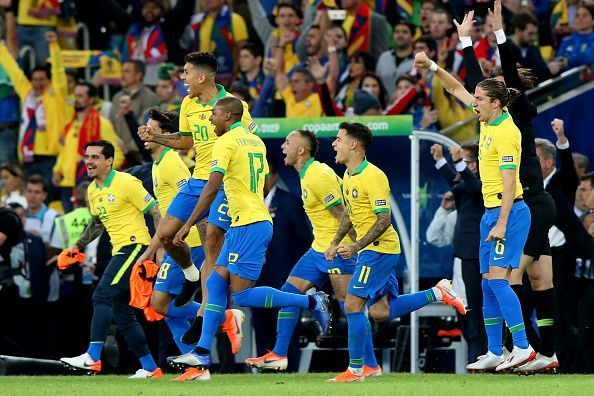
(285, 58)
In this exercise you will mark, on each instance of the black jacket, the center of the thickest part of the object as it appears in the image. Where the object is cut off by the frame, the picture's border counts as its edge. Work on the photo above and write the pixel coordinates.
(469, 204)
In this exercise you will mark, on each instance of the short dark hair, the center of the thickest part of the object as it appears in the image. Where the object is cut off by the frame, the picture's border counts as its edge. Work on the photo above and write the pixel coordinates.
(90, 86)
(107, 148)
(232, 105)
(522, 19)
(307, 76)
(473, 149)
(168, 120)
(358, 131)
(37, 179)
(43, 69)
(410, 26)
(139, 66)
(287, 5)
(253, 49)
(582, 160)
(366, 58)
(242, 90)
(203, 60)
(428, 41)
(314, 144)
(588, 176)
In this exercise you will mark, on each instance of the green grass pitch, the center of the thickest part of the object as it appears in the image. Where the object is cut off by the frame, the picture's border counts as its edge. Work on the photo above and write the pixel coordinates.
(304, 384)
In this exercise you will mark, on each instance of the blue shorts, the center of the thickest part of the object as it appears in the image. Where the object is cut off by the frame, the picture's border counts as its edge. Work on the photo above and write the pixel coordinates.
(374, 275)
(314, 267)
(185, 201)
(170, 277)
(507, 252)
(244, 249)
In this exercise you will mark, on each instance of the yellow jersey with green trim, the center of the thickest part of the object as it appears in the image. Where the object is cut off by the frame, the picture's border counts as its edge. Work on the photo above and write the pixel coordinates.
(241, 157)
(194, 120)
(120, 204)
(500, 147)
(170, 174)
(321, 190)
(367, 193)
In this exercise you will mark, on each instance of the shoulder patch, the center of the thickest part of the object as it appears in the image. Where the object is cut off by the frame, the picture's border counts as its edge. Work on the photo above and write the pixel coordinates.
(181, 183)
(252, 126)
(329, 198)
(507, 158)
(148, 198)
(380, 202)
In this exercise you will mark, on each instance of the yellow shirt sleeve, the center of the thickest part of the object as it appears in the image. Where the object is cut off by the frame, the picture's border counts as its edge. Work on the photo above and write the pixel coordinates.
(177, 173)
(59, 79)
(108, 133)
(247, 120)
(221, 155)
(90, 191)
(184, 125)
(239, 27)
(21, 84)
(327, 190)
(138, 196)
(288, 96)
(379, 193)
(509, 148)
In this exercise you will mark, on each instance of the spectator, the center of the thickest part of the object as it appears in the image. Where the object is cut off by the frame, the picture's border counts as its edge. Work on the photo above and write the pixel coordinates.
(578, 48)
(338, 59)
(440, 231)
(87, 125)
(360, 63)
(581, 162)
(217, 29)
(563, 17)
(585, 278)
(439, 30)
(137, 97)
(155, 38)
(397, 61)
(43, 102)
(424, 117)
(167, 95)
(426, 13)
(9, 100)
(35, 19)
(298, 94)
(583, 193)
(250, 65)
(367, 30)
(40, 218)
(525, 32)
(71, 77)
(13, 185)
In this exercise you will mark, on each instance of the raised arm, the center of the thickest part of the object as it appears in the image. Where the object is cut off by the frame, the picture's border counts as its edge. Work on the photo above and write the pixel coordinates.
(508, 61)
(569, 178)
(177, 140)
(59, 80)
(474, 73)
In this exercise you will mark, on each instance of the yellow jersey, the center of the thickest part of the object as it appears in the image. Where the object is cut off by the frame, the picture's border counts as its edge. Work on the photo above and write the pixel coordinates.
(320, 192)
(367, 193)
(500, 147)
(241, 157)
(310, 107)
(194, 120)
(120, 204)
(170, 174)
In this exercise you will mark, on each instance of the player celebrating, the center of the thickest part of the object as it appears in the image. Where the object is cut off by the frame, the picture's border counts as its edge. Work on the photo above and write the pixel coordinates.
(367, 195)
(195, 130)
(238, 160)
(169, 175)
(322, 201)
(117, 203)
(505, 224)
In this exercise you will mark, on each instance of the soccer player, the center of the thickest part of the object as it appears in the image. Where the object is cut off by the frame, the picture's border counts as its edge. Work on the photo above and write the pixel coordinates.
(322, 200)
(117, 204)
(238, 160)
(536, 258)
(196, 130)
(367, 196)
(506, 222)
(170, 174)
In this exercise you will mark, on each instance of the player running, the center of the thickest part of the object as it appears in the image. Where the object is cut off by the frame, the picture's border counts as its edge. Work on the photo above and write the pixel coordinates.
(505, 224)
(367, 196)
(238, 160)
(170, 174)
(118, 203)
(195, 130)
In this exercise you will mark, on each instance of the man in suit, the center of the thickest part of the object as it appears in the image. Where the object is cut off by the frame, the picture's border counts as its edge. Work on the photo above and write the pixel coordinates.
(291, 238)
(569, 239)
(466, 187)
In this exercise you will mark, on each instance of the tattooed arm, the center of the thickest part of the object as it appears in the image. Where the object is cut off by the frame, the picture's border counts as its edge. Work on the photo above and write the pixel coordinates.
(337, 211)
(93, 230)
(149, 253)
(343, 229)
(377, 229)
(178, 140)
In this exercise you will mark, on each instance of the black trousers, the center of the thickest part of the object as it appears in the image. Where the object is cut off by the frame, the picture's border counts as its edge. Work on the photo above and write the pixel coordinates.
(473, 325)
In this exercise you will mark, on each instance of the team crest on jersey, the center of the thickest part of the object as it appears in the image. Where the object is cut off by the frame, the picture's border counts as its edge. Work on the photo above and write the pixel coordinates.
(110, 198)
(489, 140)
(202, 116)
(304, 194)
(355, 193)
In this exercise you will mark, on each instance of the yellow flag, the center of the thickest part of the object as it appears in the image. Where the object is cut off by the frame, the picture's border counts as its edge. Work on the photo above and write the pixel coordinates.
(76, 59)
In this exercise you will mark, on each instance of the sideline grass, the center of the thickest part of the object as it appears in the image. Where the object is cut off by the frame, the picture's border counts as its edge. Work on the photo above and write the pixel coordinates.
(303, 384)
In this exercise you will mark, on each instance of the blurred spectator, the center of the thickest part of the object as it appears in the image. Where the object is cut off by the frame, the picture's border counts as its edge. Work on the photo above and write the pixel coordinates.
(585, 277)
(87, 125)
(583, 193)
(581, 163)
(439, 30)
(250, 65)
(282, 38)
(397, 61)
(71, 77)
(374, 85)
(298, 94)
(440, 231)
(9, 100)
(13, 185)
(154, 39)
(167, 95)
(138, 98)
(426, 13)
(43, 102)
(578, 48)
(525, 33)
(424, 117)
(217, 29)
(36, 18)
(366, 29)
(338, 59)
(360, 63)
(563, 17)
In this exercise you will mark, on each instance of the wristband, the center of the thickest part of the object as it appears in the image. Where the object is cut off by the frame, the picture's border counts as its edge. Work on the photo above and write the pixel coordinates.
(433, 66)
(331, 49)
(466, 41)
(500, 35)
